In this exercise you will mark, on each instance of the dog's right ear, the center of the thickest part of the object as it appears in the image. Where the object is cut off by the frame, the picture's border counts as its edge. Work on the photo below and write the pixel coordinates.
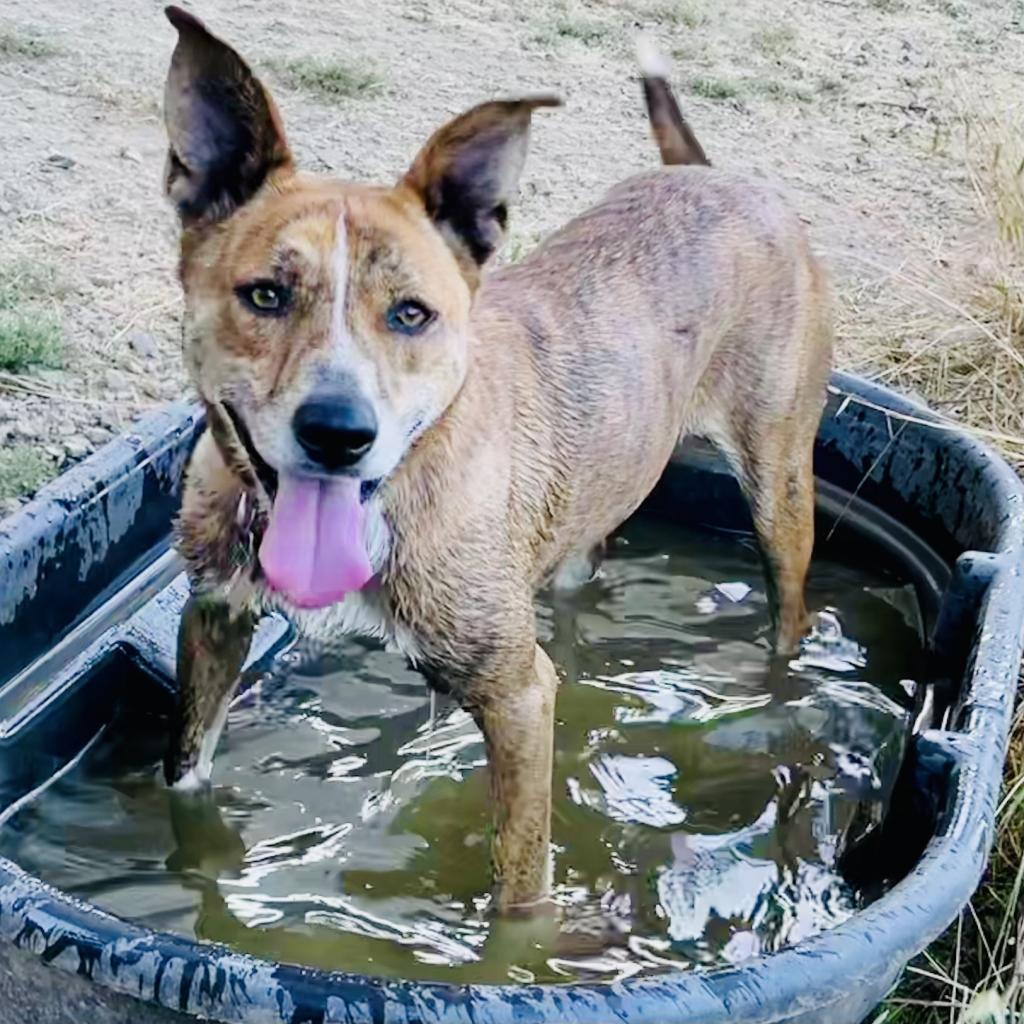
(224, 131)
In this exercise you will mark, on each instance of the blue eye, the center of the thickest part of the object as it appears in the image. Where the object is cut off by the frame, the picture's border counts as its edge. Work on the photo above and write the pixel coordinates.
(265, 298)
(408, 316)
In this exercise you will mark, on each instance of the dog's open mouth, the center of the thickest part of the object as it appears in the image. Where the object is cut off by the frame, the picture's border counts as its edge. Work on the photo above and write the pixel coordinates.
(265, 473)
(313, 551)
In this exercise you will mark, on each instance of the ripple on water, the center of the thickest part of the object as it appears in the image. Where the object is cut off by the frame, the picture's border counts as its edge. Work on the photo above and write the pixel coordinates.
(702, 788)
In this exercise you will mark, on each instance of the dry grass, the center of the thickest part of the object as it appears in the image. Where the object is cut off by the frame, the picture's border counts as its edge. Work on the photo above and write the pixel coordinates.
(957, 339)
(570, 28)
(714, 88)
(776, 40)
(330, 79)
(23, 470)
(679, 14)
(30, 329)
(21, 46)
(955, 335)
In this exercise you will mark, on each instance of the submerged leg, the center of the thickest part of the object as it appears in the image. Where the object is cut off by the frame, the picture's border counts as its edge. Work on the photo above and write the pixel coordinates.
(784, 517)
(213, 641)
(206, 844)
(774, 464)
(517, 718)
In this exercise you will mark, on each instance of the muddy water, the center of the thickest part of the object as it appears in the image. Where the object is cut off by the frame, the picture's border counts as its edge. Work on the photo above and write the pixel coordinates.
(702, 789)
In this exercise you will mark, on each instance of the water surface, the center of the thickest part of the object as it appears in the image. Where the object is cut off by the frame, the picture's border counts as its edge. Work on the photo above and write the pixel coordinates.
(702, 788)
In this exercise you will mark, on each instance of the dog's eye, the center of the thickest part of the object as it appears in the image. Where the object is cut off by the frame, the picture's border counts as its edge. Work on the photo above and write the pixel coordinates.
(409, 316)
(264, 298)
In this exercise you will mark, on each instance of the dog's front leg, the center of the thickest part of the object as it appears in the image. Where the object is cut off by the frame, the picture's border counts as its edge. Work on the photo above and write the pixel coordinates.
(213, 640)
(517, 717)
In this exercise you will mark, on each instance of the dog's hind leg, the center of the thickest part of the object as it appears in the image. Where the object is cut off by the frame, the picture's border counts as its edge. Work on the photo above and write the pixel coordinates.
(782, 504)
(578, 569)
(766, 427)
(774, 464)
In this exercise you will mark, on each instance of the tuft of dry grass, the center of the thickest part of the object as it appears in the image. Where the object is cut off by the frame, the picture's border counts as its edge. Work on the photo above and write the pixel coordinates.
(30, 332)
(23, 470)
(956, 333)
(330, 79)
(714, 88)
(21, 46)
(28, 340)
(776, 40)
(568, 27)
(679, 13)
(778, 90)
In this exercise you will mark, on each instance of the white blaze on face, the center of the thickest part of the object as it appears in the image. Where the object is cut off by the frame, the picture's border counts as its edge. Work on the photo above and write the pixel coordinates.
(341, 343)
(346, 358)
(349, 362)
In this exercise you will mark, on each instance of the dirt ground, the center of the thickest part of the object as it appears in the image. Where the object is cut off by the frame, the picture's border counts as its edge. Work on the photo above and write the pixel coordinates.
(857, 105)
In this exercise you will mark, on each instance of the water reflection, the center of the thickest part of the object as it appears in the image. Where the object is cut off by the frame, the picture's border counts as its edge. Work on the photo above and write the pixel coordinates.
(702, 788)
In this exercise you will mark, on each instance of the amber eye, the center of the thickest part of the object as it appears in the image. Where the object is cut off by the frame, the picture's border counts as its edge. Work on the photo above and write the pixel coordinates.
(409, 316)
(264, 298)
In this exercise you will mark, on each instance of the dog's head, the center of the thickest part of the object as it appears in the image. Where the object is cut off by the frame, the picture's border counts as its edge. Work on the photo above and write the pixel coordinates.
(326, 322)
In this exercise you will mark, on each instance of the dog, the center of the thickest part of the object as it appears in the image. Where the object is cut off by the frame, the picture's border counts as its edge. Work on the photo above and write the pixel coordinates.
(406, 443)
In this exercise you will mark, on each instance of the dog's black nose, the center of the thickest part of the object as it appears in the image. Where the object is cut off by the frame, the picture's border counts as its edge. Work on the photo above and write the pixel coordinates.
(335, 432)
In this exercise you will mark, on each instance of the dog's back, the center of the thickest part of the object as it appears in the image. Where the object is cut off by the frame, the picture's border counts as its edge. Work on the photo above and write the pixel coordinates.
(687, 301)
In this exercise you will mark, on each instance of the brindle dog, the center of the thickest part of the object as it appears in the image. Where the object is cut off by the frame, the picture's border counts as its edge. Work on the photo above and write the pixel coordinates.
(405, 443)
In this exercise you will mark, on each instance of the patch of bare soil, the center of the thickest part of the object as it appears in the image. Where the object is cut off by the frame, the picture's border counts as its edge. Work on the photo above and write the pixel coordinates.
(858, 106)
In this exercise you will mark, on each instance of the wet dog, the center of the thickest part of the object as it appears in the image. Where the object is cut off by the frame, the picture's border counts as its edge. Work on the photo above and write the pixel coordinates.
(404, 443)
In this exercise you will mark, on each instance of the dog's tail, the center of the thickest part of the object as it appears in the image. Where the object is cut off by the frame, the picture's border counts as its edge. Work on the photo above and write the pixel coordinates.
(673, 135)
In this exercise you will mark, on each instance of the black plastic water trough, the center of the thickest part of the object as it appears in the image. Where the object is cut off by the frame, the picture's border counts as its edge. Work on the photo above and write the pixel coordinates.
(88, 592)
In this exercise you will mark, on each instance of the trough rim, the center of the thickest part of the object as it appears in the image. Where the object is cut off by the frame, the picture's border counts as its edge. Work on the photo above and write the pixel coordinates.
(854, 963)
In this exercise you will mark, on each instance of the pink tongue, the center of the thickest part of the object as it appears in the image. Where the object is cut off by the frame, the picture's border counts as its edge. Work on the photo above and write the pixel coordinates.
(313, 550)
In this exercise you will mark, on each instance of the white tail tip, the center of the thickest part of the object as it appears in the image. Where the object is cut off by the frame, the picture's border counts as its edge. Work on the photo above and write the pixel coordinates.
(653, 63)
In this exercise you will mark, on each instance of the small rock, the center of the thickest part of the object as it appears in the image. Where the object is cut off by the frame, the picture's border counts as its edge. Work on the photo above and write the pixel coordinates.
(115, 380)
(77, 447)
(130, 154)
(97, 436)
(54, 452)
(144, 344)
(65, 163)
(23, 429)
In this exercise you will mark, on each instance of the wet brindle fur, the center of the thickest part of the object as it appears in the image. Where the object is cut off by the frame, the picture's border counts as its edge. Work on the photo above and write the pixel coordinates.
(544, 406)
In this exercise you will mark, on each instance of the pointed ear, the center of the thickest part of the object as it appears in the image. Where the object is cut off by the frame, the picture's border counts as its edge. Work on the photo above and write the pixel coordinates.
(468, 172)
(224, 131)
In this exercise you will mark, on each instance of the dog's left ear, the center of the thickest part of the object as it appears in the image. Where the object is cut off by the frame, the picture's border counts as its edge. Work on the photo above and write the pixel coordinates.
(468, 171)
